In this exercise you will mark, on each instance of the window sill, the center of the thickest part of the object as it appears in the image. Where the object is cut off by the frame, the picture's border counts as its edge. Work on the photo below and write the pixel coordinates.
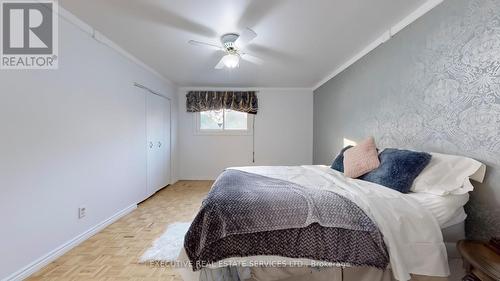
(234, 133)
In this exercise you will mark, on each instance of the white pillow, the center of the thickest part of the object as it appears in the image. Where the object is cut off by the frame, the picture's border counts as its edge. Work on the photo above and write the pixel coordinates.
(449, 174)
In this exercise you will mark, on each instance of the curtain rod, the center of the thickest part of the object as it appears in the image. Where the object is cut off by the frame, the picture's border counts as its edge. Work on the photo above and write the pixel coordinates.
(257, 91)
(149, 90)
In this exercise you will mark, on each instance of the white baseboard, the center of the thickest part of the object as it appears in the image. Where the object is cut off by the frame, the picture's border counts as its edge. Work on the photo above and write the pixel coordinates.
(61, 250)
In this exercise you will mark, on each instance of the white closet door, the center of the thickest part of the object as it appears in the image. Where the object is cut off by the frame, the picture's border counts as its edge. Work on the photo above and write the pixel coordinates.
(165, 148)
(154, 119)
(158, 142)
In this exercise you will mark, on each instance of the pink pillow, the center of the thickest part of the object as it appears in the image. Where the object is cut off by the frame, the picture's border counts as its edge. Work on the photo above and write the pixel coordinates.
(361, 159)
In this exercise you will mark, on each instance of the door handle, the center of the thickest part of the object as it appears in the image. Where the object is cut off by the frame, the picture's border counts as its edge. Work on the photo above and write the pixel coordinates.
(159, 144)
(151, 144)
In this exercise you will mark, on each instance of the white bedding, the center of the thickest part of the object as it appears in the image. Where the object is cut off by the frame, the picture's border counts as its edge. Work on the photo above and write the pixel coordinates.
(448, 210)
(412, 233)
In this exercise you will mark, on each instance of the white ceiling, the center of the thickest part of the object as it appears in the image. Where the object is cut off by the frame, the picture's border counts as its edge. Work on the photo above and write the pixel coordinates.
(301, 41)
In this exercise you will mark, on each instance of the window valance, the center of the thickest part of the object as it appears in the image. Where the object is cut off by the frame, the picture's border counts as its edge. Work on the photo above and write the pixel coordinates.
(244, 101)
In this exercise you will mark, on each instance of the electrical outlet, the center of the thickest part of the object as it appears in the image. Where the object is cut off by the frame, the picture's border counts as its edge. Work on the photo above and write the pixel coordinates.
(82, 212)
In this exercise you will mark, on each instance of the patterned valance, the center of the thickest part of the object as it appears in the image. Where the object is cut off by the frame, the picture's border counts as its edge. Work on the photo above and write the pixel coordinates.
(246, 101)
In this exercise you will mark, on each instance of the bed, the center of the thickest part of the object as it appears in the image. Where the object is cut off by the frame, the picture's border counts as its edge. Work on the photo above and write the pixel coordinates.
(417, 231)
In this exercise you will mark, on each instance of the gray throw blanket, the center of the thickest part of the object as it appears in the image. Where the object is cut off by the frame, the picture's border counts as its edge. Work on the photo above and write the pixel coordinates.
(247, 214)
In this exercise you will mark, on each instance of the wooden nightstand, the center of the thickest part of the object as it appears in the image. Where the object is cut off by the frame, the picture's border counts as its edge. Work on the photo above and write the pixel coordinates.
(480, 261)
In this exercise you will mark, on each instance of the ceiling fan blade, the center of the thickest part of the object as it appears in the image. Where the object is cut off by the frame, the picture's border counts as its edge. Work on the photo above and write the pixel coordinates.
(252, 59)
(245, 37)
(203, 44)
(220, 64)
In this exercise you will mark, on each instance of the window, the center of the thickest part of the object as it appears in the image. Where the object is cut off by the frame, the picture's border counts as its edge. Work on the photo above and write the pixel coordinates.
(348, 142)
(223, 122)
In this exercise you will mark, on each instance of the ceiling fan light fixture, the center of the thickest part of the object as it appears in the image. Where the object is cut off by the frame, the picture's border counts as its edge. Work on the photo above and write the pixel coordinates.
(231, 60)
(232, 45)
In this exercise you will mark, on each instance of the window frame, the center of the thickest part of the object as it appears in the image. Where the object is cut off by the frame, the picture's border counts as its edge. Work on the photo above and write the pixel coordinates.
(222, 132)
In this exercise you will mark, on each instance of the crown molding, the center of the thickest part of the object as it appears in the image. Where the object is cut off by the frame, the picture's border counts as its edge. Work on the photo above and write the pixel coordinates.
(101, 38)
(198, 88)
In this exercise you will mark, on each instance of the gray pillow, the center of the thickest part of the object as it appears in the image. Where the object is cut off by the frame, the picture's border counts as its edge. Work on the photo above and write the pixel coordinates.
(398, 168)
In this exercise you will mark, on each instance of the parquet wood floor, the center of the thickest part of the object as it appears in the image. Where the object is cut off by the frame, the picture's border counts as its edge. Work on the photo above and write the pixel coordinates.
(113, 253)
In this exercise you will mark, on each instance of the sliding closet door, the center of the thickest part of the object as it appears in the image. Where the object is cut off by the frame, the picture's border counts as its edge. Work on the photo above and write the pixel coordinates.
(158, 142)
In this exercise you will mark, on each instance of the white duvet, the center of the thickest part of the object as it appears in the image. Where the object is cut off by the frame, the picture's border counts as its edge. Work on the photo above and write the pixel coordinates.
(411, 233)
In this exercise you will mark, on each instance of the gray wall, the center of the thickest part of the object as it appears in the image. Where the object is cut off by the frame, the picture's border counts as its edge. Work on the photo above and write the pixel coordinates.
(435, 86)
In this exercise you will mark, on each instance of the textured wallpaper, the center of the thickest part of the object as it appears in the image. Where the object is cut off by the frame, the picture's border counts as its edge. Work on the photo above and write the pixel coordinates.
(437, 88)
(453, 93)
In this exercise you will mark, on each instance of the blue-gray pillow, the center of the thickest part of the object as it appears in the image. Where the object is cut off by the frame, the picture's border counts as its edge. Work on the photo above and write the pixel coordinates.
(338, 163)
(398, 168)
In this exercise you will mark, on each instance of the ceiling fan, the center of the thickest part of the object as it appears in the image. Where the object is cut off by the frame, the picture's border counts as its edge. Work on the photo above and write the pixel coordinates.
(232, 45)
